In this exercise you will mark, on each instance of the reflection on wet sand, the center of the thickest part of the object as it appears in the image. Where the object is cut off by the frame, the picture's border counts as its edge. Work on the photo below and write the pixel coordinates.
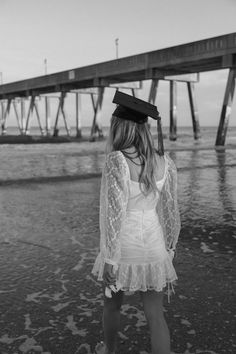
(225, 189)
(191, 182)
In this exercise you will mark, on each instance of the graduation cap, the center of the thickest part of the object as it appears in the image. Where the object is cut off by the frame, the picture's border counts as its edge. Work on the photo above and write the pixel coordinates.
(136, 110)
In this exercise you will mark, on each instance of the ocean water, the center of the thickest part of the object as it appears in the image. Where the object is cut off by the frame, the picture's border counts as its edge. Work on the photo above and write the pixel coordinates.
(208, 132)
(207, 177)
(19, 161)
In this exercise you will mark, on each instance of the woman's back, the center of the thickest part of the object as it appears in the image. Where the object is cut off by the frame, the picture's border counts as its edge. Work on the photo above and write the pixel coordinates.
(137, 199)
(135, 166)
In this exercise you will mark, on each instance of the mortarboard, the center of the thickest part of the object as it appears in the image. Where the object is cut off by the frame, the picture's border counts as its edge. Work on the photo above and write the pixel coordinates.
(136, 110)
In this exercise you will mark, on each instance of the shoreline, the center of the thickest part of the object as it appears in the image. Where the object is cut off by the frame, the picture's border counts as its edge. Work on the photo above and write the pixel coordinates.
(79, 177)
(200, 144)
(38, 139)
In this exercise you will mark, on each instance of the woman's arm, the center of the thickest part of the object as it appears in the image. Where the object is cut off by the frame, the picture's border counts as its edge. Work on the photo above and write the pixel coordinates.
(168, 209)
(113, 202)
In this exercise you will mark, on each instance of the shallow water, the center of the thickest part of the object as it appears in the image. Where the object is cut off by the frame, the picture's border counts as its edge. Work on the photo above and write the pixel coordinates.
(206, 178)
(80, 159)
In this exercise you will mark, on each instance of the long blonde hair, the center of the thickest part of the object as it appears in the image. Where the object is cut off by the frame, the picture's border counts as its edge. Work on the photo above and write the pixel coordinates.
(125, 134)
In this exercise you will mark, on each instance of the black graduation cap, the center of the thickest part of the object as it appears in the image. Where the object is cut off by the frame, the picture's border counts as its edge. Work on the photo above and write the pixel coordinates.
(136, 110)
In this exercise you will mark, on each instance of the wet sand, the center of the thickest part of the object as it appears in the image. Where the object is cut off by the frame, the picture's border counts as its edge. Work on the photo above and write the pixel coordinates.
(49, 203)
(50, 303)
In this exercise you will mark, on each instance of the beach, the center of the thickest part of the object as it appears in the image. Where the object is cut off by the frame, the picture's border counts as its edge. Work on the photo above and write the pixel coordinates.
(49, 204)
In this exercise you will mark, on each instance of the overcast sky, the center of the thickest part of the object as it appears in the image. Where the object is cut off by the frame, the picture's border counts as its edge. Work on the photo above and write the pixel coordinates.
(74, 33)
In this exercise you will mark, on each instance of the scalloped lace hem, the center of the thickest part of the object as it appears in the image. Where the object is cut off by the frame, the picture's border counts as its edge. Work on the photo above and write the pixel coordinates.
(141, 277)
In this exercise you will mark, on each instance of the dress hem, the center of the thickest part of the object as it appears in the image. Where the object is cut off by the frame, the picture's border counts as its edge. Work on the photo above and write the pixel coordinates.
(141, 277)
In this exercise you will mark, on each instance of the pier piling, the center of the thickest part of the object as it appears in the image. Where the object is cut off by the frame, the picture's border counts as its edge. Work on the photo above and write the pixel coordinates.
(78, 115)
(23, 117)
(194, 111)
(61, 110)
(173, 110)
(153, 91)
(226, 108)
(33, 106)
(47, 116)
(97, 106)
(6, 113)
(17, 116)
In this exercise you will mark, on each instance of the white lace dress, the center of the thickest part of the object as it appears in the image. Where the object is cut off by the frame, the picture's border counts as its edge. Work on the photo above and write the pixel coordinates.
(137, 232)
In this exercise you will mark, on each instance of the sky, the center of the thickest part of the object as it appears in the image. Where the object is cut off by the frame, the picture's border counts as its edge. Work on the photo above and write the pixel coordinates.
(75, 33)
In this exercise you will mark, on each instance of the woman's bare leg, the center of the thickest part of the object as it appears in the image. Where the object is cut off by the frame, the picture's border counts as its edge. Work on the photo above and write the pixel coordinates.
(153, 309)
(111, 319)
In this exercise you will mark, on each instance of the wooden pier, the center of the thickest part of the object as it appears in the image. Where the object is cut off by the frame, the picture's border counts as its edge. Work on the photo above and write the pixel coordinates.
(179, 63)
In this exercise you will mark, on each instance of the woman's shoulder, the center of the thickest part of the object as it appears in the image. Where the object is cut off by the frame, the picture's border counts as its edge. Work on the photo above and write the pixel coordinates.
(114, 156)
(115, 159)
(169, 160)
(165, 165)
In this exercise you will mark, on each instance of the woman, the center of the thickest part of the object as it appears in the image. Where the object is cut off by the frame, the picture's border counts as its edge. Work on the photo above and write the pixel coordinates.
(139, 223)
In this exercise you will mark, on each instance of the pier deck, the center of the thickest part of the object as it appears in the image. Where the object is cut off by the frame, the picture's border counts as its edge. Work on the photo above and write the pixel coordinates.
(204, 55)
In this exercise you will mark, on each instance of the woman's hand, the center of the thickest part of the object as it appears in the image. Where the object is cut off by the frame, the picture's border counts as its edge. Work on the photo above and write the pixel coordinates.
(171, 252)
(109, 277)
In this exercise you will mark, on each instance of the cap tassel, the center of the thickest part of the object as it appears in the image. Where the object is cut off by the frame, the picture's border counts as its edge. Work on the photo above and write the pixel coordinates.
(160, 138)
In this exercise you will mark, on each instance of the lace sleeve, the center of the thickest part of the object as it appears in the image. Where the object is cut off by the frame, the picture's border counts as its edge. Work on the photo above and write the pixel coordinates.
(113, 202)
(167, 207)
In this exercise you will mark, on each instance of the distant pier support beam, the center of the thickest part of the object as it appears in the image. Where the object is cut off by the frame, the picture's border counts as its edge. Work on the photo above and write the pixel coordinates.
(47, 116)
(56, 130)
(2, 111)
(5, 114)
(17, 116)
(134, 92)
(33, 105)
(194, 110)
(30, 111)
(173, 110)
(62, 110)
(38, 117)
(23, 118)
(96, 126)
(64, 117)
(153, 91)
(78, 115)
(226, 109)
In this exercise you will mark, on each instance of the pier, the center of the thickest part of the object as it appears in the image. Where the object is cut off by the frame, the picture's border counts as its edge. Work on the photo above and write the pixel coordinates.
(178, 63)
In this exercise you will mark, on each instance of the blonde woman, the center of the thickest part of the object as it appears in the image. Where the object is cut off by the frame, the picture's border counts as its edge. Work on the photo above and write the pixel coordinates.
(139, 223)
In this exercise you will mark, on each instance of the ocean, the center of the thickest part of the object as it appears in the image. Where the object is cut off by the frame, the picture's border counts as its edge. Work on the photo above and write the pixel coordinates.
(21, 162)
